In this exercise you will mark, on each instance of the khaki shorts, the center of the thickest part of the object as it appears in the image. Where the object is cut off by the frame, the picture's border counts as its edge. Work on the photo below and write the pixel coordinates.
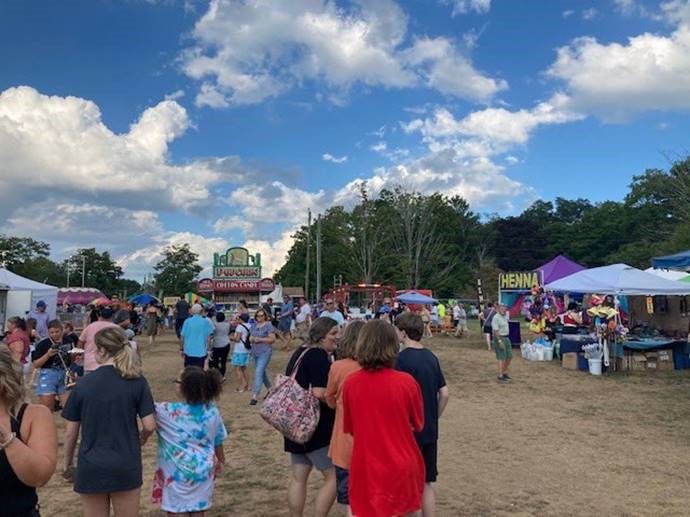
(302, 331)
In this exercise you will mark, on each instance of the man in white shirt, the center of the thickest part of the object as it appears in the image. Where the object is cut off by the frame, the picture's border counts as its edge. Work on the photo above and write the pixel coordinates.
(302, 319)
(332, 312)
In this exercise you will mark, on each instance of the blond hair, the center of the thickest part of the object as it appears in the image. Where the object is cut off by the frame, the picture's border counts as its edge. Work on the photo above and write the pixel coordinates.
(348, 341)
(11, 381)
(113, 341)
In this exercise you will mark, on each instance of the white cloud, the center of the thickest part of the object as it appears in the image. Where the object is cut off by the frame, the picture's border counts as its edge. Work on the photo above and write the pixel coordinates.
(62, 144)
(327, 157)
(465, 6)
(69, 226)
(492, 130)
(568, 13)
(233, 223)
(590, 14)
(616, 81)
(449, 72)
(512, 160)
(245, 52)
(379, 147)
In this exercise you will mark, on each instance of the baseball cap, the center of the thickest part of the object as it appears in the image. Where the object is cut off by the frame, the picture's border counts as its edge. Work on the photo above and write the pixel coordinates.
(197, 308)
(41, 303)
(106, 312)
(244, 317)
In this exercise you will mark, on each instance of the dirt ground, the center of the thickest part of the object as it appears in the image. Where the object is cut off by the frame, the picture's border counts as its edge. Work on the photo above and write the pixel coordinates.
(553, 442)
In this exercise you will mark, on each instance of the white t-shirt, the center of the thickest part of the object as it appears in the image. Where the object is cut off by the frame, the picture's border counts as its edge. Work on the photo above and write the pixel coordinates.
(303, 313)
(337, 316)
(243, 331)
(221, 334)
(456, 313)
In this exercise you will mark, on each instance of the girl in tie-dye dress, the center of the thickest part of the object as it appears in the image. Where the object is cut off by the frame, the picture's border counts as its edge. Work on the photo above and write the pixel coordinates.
(190, 444)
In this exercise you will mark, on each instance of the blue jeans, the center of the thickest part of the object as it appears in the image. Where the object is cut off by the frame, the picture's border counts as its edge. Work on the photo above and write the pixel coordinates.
(261, 361)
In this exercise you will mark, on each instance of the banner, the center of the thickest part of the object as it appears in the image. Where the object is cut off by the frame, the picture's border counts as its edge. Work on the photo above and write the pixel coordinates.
(518, 280)
(208, 285)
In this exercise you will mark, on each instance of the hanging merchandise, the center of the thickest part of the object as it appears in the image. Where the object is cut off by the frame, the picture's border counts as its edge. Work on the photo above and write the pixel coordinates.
(650, 305)
(684, 306)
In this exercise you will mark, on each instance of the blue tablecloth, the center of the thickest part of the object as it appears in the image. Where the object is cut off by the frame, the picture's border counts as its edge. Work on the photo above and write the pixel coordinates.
(650, 343)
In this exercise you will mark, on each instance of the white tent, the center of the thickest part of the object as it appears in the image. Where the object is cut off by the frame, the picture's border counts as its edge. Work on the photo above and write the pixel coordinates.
(18, 295)
(618, 279)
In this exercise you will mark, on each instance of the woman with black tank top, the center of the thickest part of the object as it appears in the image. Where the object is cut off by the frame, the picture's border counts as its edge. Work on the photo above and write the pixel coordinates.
(28, 443)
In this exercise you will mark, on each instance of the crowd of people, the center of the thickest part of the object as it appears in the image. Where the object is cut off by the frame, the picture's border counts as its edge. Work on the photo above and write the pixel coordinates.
(380, 394)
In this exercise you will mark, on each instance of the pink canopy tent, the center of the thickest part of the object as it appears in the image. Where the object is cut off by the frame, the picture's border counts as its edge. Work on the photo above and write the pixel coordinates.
(78, 295)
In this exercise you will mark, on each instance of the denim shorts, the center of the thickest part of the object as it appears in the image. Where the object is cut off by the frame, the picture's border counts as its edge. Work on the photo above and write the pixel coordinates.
(51, 381)
(318, 459)
(239, 359)
(342, 478)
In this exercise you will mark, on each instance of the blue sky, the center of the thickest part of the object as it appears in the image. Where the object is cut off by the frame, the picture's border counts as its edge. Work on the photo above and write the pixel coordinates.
(148, 123)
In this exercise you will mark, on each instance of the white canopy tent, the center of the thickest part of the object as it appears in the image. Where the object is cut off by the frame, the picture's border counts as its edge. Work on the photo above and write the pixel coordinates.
(618, 279)
(18, 295)
(668, 274)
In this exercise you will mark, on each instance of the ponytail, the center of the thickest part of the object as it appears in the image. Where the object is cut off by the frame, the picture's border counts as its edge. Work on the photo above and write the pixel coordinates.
(127, 363)
(114, 342)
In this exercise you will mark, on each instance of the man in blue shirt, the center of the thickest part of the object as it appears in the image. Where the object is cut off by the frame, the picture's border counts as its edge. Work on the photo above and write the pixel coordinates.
(332, 312)
(196, 338)
(41, 317)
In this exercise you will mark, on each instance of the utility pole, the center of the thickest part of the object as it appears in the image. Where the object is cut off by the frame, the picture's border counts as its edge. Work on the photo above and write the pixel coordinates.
(318, 258)
(306, 270)
(67, 267)
(83, 270)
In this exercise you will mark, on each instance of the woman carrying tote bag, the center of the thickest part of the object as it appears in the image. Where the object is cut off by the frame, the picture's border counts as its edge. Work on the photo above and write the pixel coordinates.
(312, 372)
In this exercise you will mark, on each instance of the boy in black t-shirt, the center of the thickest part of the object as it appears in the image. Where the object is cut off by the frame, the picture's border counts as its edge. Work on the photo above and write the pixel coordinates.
(423, 365)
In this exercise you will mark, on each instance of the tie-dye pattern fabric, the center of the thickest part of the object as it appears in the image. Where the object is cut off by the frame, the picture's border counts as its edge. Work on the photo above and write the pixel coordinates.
(187, 436)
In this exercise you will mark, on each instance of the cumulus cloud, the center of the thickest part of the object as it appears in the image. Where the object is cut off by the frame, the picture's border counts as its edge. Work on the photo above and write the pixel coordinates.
(61, 146)
(617, 81)
(379, 147)
(590, 14)
(69, 226)
(568, 13)
(492, 130)
(246, 52)
(445, 69)
(327, 157)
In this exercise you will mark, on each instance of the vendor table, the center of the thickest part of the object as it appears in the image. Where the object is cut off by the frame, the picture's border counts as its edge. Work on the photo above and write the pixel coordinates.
(681, 360)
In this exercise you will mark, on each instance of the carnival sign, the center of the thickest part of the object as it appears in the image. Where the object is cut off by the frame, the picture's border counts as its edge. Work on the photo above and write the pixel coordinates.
(236, 286)
(236, 264)
(518, 280)
(237, 273)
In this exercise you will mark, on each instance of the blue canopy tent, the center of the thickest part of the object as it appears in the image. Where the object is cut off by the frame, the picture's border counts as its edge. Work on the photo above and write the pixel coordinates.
(415, 297)
(143, 299)
(677, 261)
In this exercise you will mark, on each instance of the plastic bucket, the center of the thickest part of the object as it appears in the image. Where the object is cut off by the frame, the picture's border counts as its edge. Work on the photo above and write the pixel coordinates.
(595, 366)
(548, 353)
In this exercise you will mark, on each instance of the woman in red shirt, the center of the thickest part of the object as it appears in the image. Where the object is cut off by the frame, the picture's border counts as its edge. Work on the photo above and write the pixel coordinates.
(17, 339)
(381, 409)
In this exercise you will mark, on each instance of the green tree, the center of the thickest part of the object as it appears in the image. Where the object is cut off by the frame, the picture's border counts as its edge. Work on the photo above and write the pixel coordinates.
(98, 270)
(18, 250)
(177, 270)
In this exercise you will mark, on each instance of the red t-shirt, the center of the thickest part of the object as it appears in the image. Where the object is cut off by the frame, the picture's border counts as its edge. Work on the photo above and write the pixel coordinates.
(380, 410)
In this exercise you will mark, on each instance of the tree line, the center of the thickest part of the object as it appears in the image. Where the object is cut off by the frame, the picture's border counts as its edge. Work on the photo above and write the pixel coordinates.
(437, 242)
(174, 274)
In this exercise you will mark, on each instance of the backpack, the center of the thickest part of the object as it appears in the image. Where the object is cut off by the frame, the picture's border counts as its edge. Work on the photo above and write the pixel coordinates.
(246, 342)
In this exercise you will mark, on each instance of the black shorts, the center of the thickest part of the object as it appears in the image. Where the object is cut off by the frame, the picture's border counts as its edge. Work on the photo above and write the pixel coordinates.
(430, 454)
(487, 330)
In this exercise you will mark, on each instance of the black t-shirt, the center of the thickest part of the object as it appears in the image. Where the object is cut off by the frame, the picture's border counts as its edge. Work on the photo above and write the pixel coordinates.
(107, 407)
(313, 370)
(182, 308)
(423, 365)
(44, 345)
